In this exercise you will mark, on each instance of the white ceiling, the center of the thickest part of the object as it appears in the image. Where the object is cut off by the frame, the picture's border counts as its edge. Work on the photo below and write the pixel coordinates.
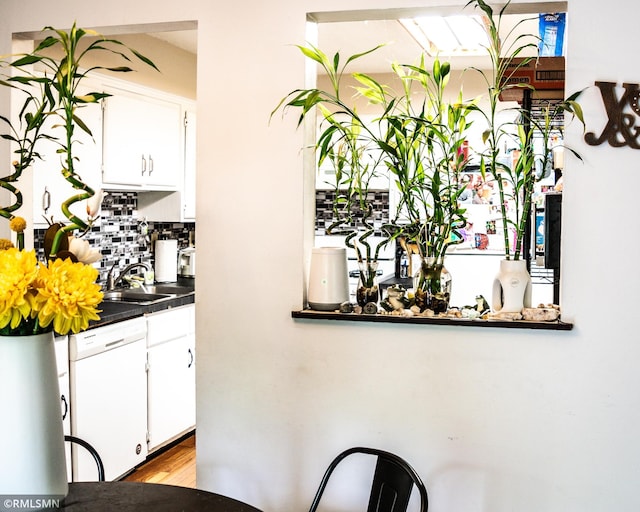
(352, 37)
(184, 39)
(349, 38)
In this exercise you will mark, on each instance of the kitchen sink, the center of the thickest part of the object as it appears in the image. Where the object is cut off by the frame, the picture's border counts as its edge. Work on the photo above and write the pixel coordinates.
(136, 297)
(148, 295)
(164, 288)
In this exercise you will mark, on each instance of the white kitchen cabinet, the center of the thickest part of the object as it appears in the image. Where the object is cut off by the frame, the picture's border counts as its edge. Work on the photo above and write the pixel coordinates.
(142, 141)
(170, 374)
(50, 189)
(179, 206)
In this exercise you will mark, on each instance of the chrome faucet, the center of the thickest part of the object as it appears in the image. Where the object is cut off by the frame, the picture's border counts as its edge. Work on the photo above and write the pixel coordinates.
(113, 282)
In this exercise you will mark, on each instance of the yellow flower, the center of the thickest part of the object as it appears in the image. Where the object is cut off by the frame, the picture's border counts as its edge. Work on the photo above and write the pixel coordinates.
(18, 271)
(17, 224)
(5, 244)
(68, 295)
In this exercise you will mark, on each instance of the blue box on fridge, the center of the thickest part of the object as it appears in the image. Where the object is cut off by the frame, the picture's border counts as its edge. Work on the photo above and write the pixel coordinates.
(551, 28)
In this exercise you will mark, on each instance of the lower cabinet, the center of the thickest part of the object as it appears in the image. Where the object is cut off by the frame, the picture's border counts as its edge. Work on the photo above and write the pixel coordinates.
(127, 383)
(170, 374)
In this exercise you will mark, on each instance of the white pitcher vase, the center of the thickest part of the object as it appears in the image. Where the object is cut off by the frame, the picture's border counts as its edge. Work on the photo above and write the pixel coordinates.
(31, 434)
(511, 287)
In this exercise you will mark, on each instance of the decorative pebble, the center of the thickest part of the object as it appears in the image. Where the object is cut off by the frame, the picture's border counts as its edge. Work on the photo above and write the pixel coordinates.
(370, 308)
(505, 315)
(346, 307)
(540, 314)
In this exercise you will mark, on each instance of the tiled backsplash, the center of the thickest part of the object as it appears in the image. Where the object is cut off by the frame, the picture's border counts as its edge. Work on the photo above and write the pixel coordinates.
(118, 236)
(379, 199)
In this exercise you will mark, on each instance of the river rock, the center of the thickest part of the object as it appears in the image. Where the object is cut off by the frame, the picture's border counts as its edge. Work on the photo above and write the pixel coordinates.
(543, 314)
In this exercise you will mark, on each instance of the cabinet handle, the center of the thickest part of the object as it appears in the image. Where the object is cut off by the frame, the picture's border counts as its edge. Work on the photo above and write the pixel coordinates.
(144, 165)
(190, 359)
(150, 165)
(46, 200)
(66, 406)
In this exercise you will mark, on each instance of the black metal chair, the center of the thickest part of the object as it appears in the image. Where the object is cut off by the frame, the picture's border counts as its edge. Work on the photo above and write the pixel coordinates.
(393, 481)
(94, 453)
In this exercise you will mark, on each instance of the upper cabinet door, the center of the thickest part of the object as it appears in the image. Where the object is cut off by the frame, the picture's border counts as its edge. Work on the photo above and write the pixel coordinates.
(142, 143)
(50, 188)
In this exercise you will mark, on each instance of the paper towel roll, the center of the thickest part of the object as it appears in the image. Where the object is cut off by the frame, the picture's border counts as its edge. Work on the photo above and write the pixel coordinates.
(166, 268)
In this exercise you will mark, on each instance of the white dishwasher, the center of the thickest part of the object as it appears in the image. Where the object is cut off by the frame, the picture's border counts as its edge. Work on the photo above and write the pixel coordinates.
(109, 397)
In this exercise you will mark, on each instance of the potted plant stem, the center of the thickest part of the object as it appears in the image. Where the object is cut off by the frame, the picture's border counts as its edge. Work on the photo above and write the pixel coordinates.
(56, 80)
(515, 181)
(354, 168)
(420, 141)
(345, 142)
(423, 142)
(24, 134)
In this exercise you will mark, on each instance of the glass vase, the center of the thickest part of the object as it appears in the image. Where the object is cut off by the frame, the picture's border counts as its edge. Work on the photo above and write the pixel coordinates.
(368, 290)
(432, 286)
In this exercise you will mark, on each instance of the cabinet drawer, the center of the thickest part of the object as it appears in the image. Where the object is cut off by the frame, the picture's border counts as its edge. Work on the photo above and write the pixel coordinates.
(168, 325)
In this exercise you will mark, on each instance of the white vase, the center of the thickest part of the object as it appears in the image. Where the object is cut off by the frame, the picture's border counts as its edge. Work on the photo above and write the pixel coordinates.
(31, 435)
(511, 287)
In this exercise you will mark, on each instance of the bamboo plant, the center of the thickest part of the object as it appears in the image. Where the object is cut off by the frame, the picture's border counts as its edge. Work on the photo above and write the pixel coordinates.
(420, 142)
(423, 144)
(24, 134)
(515, 182)
(347, 143)
(57, 82)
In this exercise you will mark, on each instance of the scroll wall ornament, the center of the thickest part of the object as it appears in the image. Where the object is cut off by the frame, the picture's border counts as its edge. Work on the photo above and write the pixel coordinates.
(621, 129)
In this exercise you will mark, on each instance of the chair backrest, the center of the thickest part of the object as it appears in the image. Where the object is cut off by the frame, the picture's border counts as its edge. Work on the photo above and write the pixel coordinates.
(393, 481)
(94, 453)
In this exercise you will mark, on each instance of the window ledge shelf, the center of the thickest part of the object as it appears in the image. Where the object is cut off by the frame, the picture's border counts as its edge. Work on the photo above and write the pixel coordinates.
(309, 314)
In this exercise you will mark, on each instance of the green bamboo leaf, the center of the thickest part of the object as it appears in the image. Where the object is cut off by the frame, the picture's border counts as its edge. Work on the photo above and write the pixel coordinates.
(336, 61)
(91, 98)
(314, 54)
(144, 59)
(26, 60)
(358, 55)
(436, 70)
(21, 79)
(79, 122)
(118, 69)
(47, 42)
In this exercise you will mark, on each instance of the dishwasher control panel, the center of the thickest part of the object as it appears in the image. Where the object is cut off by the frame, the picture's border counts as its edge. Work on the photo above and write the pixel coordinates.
(108, 337)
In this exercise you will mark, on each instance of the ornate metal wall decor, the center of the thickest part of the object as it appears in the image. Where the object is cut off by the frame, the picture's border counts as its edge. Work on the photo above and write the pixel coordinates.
(621, 129)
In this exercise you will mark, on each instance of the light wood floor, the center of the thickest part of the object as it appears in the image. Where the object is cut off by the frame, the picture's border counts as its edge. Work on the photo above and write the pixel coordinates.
(176, 466)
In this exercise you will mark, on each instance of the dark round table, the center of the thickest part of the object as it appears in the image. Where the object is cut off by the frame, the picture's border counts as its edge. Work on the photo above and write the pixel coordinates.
(142, 497)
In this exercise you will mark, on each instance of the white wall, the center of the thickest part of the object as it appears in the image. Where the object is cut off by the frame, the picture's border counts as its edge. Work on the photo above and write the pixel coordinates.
(494, 420)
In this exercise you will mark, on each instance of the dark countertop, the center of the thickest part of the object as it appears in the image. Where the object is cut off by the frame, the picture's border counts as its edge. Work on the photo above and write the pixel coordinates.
(118, 311)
